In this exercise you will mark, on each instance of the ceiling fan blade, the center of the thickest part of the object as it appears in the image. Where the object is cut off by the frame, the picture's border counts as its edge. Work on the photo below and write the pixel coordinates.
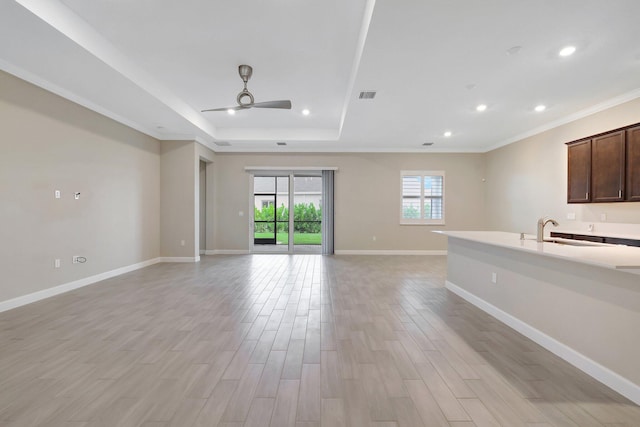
(284, 104)
(236, 108)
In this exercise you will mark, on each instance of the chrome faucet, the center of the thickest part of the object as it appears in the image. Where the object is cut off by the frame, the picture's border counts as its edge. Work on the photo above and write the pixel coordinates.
(541, 223)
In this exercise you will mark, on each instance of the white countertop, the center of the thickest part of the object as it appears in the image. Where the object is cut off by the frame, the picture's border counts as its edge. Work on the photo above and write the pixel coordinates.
(609, 256)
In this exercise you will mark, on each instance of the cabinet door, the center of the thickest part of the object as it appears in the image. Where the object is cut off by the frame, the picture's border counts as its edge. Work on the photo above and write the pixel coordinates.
(633, 164)
(579, 176)
(607, 167)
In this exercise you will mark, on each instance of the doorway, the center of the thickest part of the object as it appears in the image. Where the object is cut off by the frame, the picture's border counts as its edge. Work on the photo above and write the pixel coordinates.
(285, 203)
(202, 206)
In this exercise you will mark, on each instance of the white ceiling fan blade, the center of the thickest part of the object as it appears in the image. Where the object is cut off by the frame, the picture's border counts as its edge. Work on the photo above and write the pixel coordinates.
(284, 104)
(236, 108)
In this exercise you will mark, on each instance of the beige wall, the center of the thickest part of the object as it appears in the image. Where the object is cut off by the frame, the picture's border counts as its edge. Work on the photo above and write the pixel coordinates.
(178, 198)
(528, 179)
(47, 144)
(180, 201)
(367, 197)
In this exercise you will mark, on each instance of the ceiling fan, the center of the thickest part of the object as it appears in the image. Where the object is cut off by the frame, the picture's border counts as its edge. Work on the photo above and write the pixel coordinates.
(245, 72)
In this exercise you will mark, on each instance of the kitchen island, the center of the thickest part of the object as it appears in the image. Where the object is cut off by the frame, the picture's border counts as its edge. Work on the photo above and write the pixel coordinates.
(579, 300)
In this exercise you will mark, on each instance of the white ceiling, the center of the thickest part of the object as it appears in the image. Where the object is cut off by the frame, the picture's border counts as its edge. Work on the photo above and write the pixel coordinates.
(154, 64)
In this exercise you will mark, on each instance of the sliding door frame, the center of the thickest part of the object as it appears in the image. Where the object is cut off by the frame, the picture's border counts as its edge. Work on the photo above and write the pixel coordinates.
(257, 171)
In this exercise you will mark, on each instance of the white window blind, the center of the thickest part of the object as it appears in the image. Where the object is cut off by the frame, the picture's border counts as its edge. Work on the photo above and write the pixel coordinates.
(422, 197)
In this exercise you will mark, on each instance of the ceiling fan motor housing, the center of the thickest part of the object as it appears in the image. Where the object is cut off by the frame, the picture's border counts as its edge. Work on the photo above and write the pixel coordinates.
(245, 72)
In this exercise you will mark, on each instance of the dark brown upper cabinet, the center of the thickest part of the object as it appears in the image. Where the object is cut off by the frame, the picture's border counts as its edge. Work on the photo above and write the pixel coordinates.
(605, 168)
(633, 164)
(608, 167)
(579, 189)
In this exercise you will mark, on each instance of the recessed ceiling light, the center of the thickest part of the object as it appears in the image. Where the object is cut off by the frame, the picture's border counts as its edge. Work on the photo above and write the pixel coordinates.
(540, 108)
(306, 112)
(567, 51)
(231, 111)
(447, 134)
(481, 107)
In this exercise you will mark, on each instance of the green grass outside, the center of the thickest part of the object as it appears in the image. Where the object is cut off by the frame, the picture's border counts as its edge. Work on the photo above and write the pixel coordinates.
(298, 238)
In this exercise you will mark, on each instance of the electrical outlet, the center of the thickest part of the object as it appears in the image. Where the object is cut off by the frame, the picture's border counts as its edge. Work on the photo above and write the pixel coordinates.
(603, 217)
(571, 216)
(56, 194)
(494, 277)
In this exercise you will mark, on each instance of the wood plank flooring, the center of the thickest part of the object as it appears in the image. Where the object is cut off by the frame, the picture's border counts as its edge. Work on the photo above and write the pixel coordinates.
(281, 340)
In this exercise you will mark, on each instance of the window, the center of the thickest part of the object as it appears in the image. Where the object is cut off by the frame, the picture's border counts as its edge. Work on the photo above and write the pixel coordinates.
(422, 197)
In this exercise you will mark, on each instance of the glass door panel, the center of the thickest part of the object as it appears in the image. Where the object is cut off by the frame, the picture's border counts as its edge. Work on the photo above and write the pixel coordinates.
(307, 214)
(264, 219)
(271, 214)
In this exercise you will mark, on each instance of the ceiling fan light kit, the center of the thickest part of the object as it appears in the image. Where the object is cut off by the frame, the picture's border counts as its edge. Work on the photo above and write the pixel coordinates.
(246, 71)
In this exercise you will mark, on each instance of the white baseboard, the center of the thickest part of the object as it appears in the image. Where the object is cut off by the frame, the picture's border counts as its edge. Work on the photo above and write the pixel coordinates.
(388, 252)
(60, 289)
(337, 252)
(227, 252)
(601, 373)
(179, 259)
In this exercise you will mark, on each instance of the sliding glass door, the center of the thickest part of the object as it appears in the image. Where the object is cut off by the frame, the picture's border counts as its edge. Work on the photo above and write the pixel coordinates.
(277, 210)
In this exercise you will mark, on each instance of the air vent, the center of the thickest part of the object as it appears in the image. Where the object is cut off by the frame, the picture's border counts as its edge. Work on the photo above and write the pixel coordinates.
(222, 143)
(281, 143)
(427, 144)
(367, 94)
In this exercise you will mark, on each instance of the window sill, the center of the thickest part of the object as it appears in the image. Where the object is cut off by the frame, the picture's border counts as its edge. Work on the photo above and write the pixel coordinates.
(423, 223)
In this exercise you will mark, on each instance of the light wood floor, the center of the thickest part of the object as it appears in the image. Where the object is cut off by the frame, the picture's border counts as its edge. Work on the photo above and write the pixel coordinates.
(282, 340)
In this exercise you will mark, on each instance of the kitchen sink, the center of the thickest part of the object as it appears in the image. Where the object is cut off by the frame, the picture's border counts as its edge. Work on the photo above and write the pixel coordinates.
(572, 242)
